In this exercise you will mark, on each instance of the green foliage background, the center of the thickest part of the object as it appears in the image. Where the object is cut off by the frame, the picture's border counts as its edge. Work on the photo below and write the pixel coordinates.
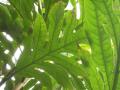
(61, 51)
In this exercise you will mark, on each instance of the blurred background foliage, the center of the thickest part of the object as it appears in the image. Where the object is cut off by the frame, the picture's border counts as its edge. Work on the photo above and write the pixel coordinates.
(60, 44)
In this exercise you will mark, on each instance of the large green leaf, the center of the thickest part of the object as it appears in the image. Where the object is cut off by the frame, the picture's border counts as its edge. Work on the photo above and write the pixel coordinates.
(61, 51)
(23, 8)
(100, 44)
(39, 50)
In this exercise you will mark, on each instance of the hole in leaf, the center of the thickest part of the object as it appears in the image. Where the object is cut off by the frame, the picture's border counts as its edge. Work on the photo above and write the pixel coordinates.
(69, 6)
(61, 34)
(40, 70)
(31, 50)
(80, 77)
(6, 51)
(5, 2)
(79, 62)
(50, 61)
(36, 8)
(67, 54)
(13, 78)
(69, 76)
(98, 69)
(38, 82)
(7, 36)
(74, 31)
(8, 67)
(77, 10)
(85, 47)
(17, 54)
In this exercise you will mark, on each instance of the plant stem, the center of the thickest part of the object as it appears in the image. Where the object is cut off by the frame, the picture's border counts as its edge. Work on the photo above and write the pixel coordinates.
(116, 73)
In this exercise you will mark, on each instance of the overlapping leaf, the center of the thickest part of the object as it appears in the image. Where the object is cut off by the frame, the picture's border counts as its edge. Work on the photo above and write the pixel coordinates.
(44, 44)
(61, 51)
